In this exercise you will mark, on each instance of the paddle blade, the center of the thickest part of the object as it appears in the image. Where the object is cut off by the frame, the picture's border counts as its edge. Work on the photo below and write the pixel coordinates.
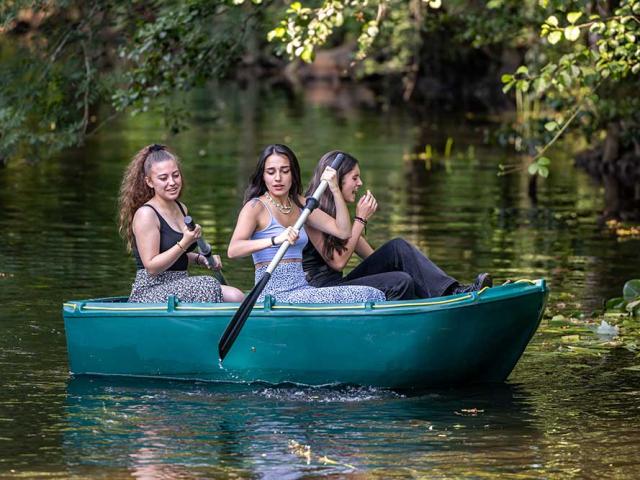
(237, 322)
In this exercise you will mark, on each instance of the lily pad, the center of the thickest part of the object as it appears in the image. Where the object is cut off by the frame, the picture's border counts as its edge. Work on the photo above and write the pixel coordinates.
(617, 303)
(631, 290)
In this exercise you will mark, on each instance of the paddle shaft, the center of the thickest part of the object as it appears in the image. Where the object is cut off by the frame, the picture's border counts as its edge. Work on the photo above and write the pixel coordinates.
(244, 310)
(205, 250)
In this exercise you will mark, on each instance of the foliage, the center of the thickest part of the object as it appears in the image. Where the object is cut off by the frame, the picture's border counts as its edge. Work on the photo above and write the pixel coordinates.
(134, 56)
(579, 53)
(586, 54)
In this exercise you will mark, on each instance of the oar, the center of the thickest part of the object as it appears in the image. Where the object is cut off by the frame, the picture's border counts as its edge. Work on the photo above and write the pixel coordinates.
(237, 322)
(205, 250)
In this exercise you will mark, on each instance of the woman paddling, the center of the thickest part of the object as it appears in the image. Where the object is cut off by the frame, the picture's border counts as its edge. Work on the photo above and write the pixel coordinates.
(272, 204)
(152, 223)
(397, 268)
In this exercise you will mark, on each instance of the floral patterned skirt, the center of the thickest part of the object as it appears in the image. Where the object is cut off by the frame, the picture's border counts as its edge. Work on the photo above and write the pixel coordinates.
(149, 288)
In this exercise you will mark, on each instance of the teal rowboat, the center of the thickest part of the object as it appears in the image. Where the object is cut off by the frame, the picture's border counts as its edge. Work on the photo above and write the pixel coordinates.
(468, 338)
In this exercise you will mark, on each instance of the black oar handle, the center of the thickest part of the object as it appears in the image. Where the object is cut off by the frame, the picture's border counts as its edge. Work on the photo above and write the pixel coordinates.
(244, 310)
(205, 249)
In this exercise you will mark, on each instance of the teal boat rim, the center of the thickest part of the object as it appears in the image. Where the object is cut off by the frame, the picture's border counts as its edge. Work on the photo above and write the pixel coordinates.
(173, 305)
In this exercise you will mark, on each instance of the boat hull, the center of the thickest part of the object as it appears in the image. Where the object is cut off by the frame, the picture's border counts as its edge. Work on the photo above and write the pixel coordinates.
(471, 338)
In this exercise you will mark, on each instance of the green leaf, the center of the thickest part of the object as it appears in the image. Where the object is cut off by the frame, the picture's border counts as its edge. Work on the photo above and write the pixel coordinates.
(550, 126)
(307, 54)
(296, 6)
(572, 33)
(633, 306)
(554, 37)
(544, 161)
(523, 70)
(508, 86)
(617, 303)
(552, 20)
(533, 169)
(573, 17)
(506, 78)
(435, 4)
(631, 290)
(543, 171)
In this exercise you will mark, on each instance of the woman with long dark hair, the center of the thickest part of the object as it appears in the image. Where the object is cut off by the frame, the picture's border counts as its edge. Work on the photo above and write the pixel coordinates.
(272, 204)
(397, 268)
(152, 224)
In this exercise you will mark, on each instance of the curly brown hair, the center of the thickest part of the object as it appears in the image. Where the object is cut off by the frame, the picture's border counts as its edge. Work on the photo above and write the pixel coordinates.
(134, 191)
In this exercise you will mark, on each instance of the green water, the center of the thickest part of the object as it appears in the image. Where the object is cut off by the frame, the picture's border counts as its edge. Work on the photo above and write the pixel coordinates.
(560, 415)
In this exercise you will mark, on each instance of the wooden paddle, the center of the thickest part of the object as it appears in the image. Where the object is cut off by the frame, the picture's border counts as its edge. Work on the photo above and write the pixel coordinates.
(244, 310)
(205, 250)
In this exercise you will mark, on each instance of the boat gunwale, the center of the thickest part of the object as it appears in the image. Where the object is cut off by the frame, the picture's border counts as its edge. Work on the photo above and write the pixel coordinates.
(84, 309)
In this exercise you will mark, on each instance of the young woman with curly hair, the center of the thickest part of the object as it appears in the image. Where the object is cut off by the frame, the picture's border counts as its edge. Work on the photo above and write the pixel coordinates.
(152, 224)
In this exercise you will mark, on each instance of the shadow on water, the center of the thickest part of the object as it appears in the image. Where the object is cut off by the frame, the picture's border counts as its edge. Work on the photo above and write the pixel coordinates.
(164, 428)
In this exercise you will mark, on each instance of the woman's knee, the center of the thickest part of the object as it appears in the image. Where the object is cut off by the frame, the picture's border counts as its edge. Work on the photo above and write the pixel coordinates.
(231, 294)
(397, 244)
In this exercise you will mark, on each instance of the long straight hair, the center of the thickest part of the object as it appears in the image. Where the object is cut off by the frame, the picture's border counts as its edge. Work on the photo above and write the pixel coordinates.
(326, 203)
(134, 191)
(256, 183)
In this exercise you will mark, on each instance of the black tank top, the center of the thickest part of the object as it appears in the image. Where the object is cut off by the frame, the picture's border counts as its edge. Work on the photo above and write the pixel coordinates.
(168, 238)
(316, 270)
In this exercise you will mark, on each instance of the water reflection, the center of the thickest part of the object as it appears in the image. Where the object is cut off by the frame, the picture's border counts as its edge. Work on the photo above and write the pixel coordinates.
(58, 240)
(165, 429)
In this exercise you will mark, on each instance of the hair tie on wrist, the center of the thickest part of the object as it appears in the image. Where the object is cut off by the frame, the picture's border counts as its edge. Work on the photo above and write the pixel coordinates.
(273, 241)
(180, 246)
(361, 220)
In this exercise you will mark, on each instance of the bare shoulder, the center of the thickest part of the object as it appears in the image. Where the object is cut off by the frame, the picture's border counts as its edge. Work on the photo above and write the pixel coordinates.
(145, 217)
(253, 208)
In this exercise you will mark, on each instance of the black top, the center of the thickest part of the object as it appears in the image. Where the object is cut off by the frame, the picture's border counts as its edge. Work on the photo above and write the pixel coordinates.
(318, 273)
(168, 238)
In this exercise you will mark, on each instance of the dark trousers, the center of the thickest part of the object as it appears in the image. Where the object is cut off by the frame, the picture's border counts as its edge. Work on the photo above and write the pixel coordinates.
(400, 270)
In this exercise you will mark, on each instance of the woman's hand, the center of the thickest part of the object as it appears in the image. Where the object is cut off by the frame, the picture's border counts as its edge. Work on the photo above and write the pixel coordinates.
(367, 206)
(290, 234)
(331, 177)
(190, 236)
(216, 260)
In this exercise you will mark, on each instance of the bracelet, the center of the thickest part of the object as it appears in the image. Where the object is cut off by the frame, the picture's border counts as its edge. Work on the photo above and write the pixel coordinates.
(361, 220)
(180, 246)
(273, 241)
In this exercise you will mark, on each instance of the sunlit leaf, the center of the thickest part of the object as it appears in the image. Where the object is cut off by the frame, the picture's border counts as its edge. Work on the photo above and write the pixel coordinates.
(552, 20)
(572, 33)
(554, 37)
(573, 17)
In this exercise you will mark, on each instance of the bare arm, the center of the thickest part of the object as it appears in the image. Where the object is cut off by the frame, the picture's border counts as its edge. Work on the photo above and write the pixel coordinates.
(339, 260)
(363, 249)
(366, 207)
(340, 226)
(146, 228)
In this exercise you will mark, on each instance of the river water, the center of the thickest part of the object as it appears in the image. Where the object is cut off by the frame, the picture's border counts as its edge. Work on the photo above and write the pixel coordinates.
(563, 413)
